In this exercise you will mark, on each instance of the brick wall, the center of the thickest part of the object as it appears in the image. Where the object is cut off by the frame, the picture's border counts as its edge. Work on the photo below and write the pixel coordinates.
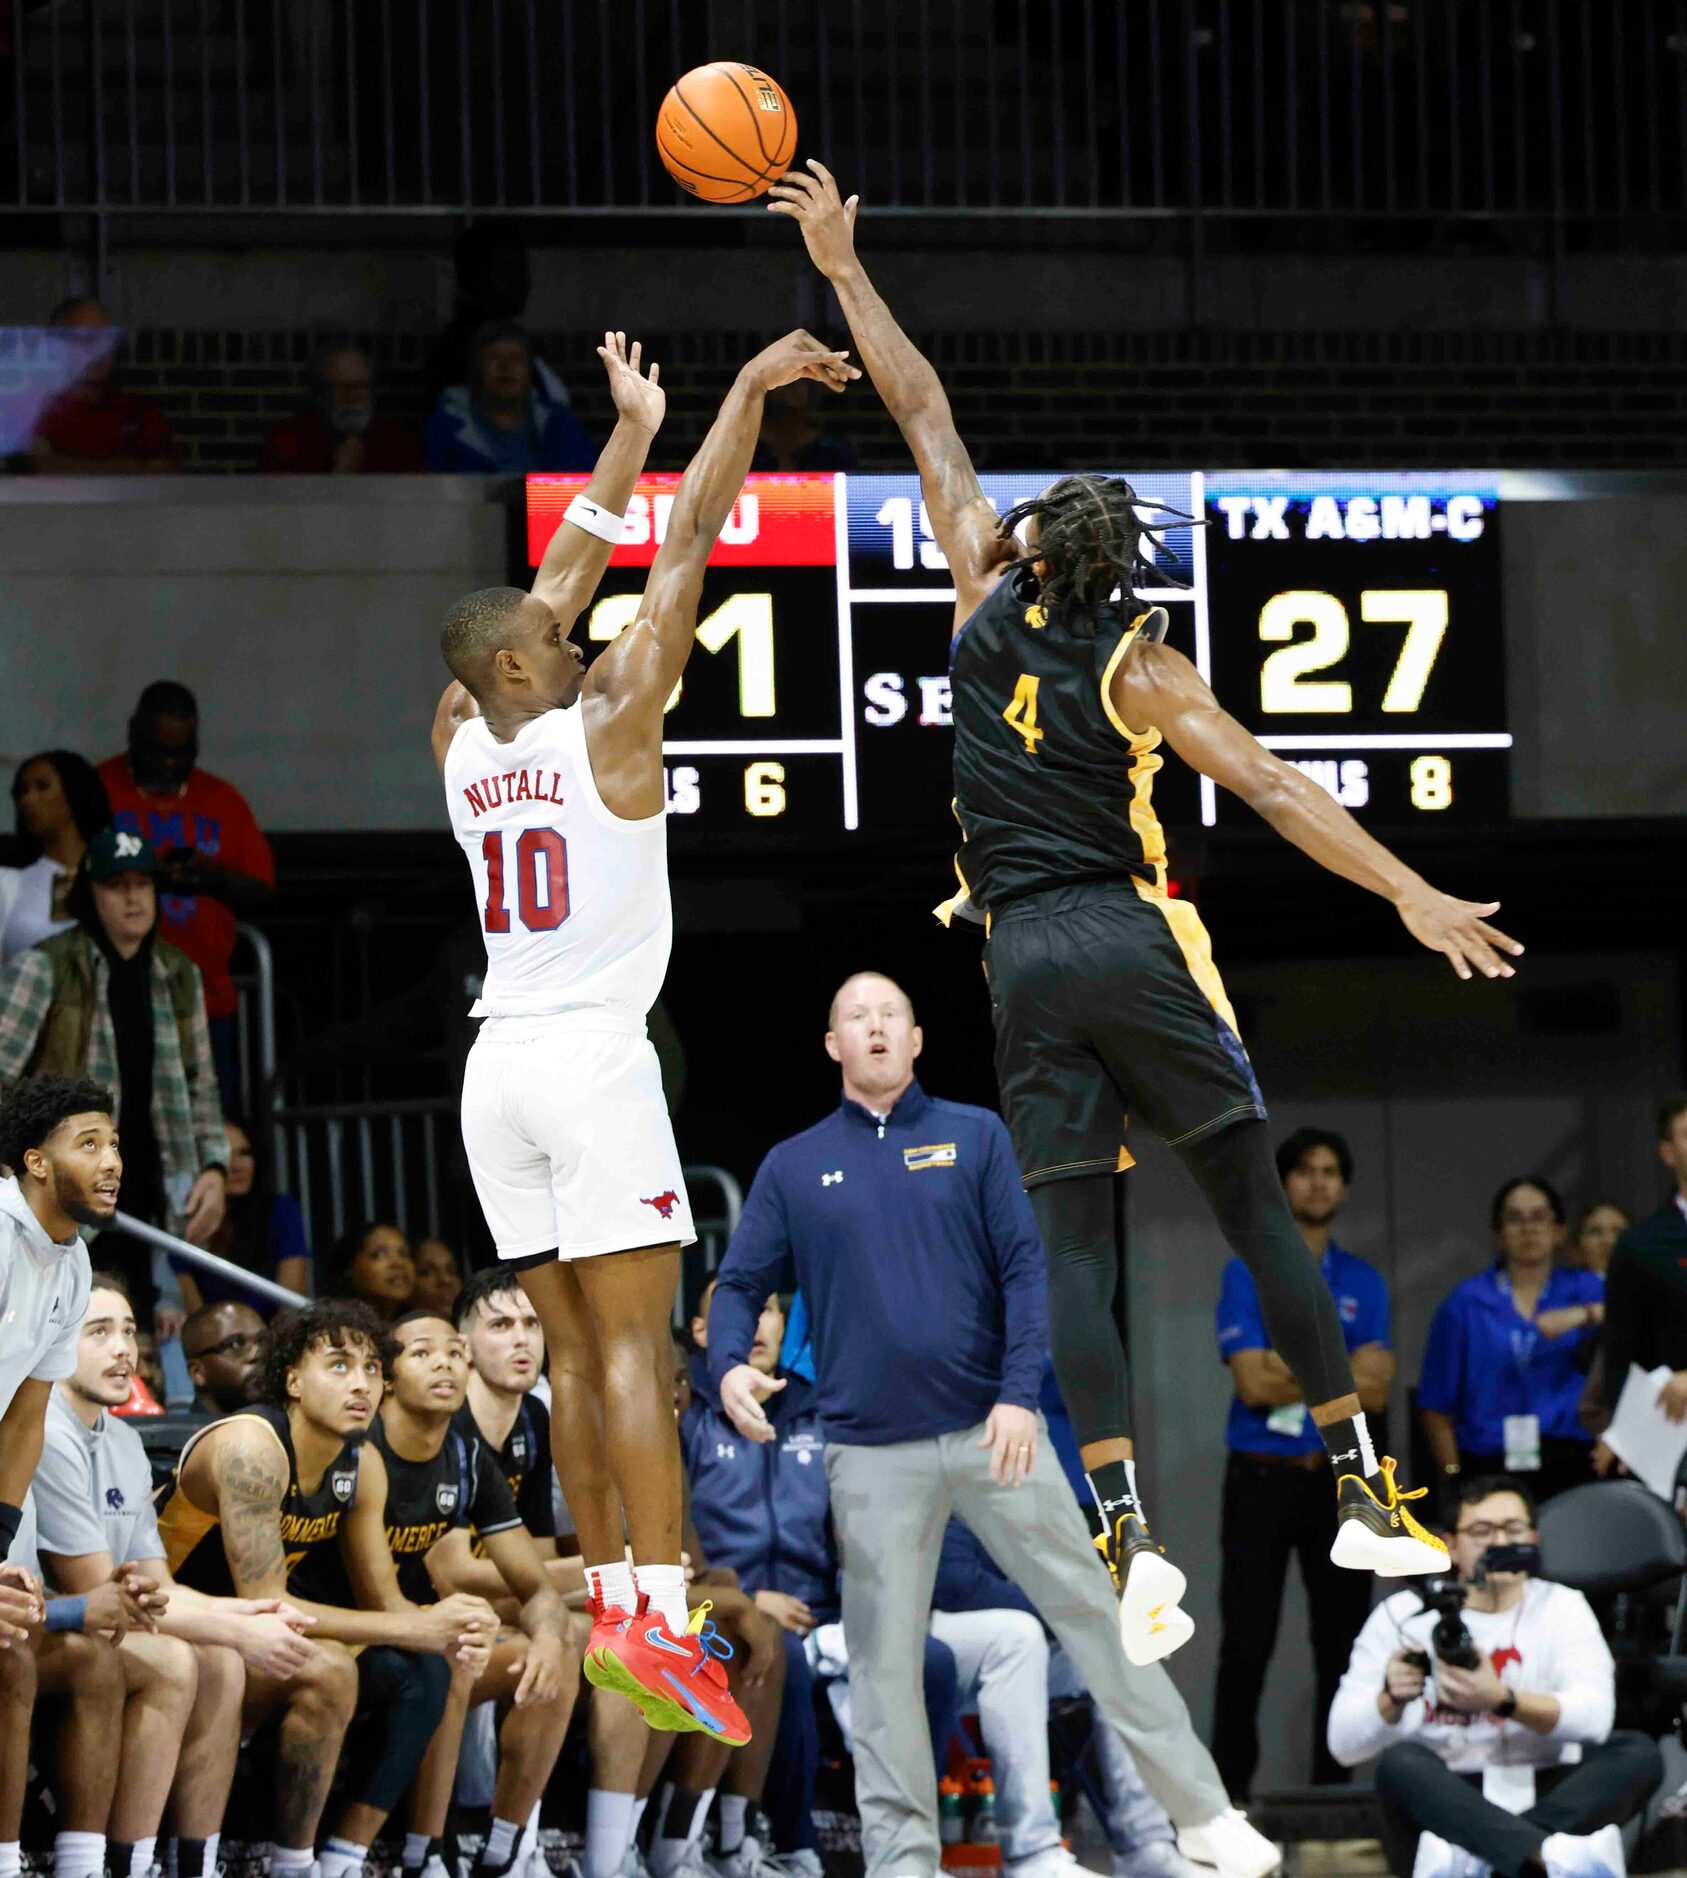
(1595, 400)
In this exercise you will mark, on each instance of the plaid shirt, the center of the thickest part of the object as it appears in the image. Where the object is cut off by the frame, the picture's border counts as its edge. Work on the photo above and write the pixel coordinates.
(55, 1020)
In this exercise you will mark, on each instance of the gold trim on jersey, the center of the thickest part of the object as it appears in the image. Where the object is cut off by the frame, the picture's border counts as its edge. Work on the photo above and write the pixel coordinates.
(1146, 764)
(1195, 945)
(957, 903)
(181, 1524)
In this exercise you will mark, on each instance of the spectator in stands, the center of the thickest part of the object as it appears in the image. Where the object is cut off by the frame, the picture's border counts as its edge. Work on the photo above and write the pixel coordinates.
(95, 428)
(152, 1385)
(224, 1345)
(111, 1000)
(1503, 1369)
(340, 433)
(303, 1448)
(262, 1231)
(61, 1169)
(492, 281)
(1277, 1499)
(373, 1263)
(793, 438)
(1597, 1232)
(186, 1679)
(438, 1279)
(1646, 1294)
(928, 1414)
(1530, 1722)
(510, 417)
(61, 805)
(215, 867)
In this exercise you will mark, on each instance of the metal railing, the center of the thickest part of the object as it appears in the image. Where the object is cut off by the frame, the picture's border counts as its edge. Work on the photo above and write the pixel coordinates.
(204, 1261)
(255, 1019)
(1144, 108)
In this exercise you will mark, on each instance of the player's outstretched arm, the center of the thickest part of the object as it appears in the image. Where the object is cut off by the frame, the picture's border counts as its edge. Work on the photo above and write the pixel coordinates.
(577, 556)
(1161, 687)
(966, 527)
(643, 664)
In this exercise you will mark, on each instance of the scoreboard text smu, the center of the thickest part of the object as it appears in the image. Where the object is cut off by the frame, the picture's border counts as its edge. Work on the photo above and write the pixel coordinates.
(1349, 620)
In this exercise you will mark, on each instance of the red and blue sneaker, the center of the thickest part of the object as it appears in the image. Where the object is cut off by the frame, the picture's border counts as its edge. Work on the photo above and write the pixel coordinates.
(677, 1683)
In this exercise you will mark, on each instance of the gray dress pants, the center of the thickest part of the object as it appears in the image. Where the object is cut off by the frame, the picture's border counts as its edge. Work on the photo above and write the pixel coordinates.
(889, 1506)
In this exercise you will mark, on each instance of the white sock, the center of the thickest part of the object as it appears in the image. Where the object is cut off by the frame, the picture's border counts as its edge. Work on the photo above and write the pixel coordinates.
(500, 1842)
(664, 1586)
(609, 1831)
(638, 1818)
(287, 1861)
(339, 1857)
(700, 1818)
(140, 1859)
(79, 1855)
(613, 1585)
(11, 1859)
(416, 1849)
(733, 1808)
(1130, 1475)
(1367, 1454)
(213, 1844)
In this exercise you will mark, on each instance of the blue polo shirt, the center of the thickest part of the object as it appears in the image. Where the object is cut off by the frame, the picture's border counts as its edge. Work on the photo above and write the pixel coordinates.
(1362, 1303)
(912, 1241)
(1484, 1362)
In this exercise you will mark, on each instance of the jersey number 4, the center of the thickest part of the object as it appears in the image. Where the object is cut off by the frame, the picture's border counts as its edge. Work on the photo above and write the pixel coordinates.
(1022, 711)
(541, 880)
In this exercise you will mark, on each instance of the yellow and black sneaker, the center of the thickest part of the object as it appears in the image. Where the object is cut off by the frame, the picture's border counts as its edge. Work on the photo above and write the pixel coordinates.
(1377, 1534)
(1150, 1590)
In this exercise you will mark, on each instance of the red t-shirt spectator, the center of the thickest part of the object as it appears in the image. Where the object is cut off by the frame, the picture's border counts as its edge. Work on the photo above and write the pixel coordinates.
(115, 424)
(304, 445)
(212, 816)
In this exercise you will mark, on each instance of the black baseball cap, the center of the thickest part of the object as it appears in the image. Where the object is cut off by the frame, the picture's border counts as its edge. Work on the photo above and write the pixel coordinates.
(115, 851)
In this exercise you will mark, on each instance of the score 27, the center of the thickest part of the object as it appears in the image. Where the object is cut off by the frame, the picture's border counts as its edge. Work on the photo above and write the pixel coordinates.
(1285, 685)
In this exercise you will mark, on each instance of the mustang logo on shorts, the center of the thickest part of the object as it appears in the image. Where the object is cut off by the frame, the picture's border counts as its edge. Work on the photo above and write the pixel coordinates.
(664, 1203)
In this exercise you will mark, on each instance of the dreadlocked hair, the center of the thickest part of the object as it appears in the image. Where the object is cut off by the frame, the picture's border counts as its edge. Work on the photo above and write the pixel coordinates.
(1089, 542)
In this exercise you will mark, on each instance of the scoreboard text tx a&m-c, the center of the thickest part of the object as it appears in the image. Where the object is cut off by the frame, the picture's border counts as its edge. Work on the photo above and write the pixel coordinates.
(1350, 620)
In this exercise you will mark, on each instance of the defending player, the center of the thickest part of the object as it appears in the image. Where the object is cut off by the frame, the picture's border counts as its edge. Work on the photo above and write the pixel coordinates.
(553, 776)
(1105, 996)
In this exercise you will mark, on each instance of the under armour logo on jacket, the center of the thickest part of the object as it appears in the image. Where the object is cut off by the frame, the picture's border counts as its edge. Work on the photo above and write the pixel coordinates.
(832, 1179)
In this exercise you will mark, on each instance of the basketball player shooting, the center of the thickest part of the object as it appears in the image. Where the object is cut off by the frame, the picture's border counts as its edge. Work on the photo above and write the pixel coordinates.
(1105, 998)
(553, 776)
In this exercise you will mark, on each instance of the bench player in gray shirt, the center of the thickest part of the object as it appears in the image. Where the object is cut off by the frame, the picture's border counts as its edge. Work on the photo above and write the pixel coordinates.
(186, 1679)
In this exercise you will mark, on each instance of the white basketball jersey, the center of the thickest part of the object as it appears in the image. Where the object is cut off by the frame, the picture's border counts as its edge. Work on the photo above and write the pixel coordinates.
(573, 900)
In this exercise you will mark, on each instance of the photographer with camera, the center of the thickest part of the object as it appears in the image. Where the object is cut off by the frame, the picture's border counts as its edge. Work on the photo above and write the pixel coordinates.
(1489, 1696)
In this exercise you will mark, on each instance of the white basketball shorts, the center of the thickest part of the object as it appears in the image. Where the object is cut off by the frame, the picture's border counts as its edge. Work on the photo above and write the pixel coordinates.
(569, 1141)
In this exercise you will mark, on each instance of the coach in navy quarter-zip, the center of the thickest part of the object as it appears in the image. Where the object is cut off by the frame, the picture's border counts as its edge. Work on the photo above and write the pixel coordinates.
(902, 1219)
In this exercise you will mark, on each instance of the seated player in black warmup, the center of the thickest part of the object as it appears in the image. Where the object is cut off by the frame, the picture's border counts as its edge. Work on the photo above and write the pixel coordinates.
(284, 1499)
(1103, 989)
(442, 1488)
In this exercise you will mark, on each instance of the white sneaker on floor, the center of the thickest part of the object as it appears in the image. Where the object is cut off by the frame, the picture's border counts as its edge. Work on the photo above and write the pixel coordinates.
(751, 1860)
(1439, 1858)
(806, 1863)
(632, 1863)
(1230, 1845)
(1585, 1855)
(436, 1867)
(1154, 1858)
(1056, 1862)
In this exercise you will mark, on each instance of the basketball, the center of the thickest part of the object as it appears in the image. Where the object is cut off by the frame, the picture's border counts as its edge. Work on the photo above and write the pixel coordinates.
(726, 132)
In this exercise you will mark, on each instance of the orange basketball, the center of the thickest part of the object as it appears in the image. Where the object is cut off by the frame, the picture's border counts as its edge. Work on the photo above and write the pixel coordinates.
(726, 132)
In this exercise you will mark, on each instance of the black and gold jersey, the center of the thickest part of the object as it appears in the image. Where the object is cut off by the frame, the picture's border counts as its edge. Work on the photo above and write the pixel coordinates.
(525, 1461)
(1051, 788)
(460, 1486)
(310, 1522)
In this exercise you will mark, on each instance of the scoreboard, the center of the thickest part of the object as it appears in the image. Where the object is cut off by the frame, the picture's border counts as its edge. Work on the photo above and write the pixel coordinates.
(1350, 620)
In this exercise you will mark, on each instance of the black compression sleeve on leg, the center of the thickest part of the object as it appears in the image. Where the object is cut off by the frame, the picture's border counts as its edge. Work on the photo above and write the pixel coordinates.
(400, 1699)
(1076, 1220)
(1236, 1173)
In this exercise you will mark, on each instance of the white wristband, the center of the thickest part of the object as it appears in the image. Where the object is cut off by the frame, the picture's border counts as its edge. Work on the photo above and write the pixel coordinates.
(584, 513)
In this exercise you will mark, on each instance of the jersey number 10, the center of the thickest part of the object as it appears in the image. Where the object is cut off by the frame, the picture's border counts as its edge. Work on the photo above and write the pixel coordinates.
(541, 880)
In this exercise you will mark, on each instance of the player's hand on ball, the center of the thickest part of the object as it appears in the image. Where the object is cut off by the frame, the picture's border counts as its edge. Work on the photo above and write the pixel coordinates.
(638, 398)
(1459, 930)
(801, 355)
(742, 1392)
(826, 220)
